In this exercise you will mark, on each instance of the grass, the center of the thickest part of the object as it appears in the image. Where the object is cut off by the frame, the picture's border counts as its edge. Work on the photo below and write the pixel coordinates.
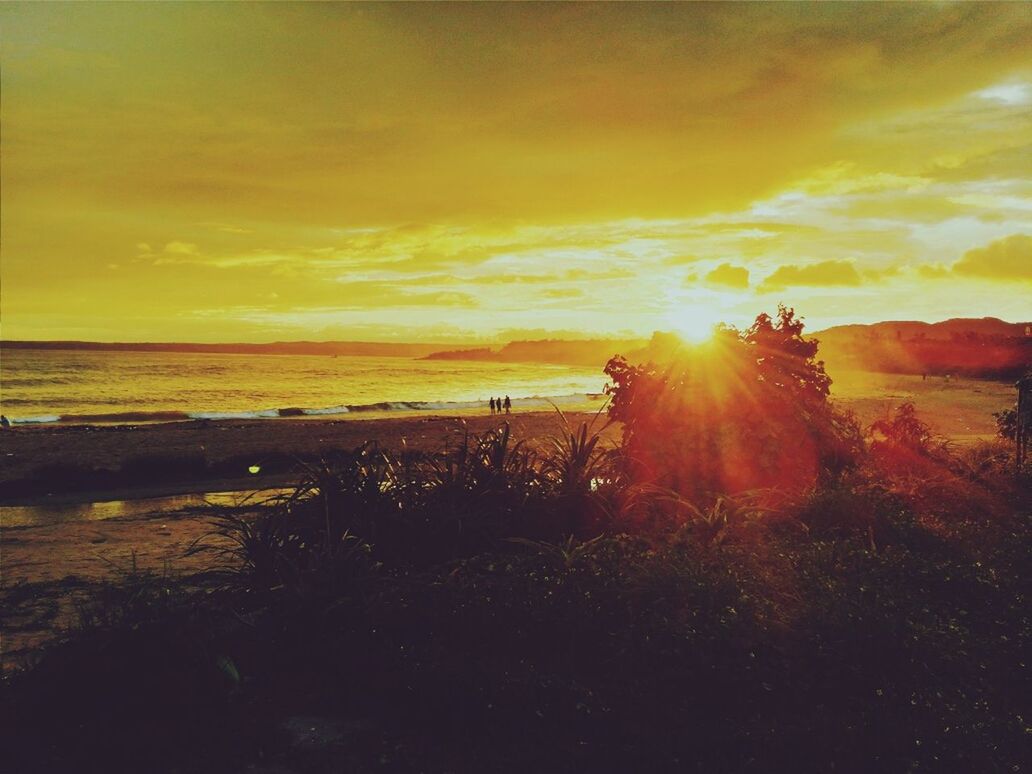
(960, 408)
(490, 607)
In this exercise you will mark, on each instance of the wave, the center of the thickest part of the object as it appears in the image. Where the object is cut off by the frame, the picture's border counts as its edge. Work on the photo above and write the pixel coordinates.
(45, 419)
(11, 382)
(264, 414)
(125, 417)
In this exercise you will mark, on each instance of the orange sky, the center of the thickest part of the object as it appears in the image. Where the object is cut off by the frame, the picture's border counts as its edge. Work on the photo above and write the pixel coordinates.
(260, 172)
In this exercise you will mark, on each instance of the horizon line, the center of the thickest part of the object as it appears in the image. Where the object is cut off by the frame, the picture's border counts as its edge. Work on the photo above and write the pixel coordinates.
(452, 342)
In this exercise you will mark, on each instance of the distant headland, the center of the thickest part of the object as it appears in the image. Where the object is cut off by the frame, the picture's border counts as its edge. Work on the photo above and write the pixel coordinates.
(984, 346)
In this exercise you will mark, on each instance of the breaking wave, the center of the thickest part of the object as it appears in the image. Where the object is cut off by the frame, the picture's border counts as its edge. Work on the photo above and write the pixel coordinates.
(534, 402)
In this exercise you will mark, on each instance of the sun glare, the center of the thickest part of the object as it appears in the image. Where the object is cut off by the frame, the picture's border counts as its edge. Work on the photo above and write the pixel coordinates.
(693, 325)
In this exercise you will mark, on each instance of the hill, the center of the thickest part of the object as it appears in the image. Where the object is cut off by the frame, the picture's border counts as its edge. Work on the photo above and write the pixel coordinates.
(985, 347)
(946, 330)
(584, 352)
(355, 348)
(979, 348)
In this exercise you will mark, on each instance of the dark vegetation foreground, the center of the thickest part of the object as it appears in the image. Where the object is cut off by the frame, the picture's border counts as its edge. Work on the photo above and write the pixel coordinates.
(741, 586)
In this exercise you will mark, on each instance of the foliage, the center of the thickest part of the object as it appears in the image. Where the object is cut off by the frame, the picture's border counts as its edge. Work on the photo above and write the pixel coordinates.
(745, 411)
(627, 610)
(612, 653)
(1007, 423)
(575, 462)
(904, 430)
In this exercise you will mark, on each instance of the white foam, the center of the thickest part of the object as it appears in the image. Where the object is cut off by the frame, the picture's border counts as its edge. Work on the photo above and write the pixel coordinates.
(323, 411)
(446, 405)
(40, 420)
(531, 402)
(263, 414)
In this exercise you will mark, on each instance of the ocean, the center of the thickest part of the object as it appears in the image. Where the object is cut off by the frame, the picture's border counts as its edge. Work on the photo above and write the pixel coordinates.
(45, 386)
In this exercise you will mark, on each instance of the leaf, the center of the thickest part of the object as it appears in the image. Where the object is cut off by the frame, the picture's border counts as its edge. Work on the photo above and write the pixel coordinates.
(228, 668)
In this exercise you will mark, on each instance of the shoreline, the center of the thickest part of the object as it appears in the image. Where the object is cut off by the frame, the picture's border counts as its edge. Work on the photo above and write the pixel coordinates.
(57, 558)
(89, 463)
(50, 564)
(573, 402)
(153, 492)
(67, 463)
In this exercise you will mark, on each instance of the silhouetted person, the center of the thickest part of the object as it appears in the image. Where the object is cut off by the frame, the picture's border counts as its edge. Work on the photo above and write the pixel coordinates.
(492, 405)
(508, 405)
(4, 421)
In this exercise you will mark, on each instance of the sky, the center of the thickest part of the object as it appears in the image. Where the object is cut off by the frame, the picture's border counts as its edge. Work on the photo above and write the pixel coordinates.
(457, 172)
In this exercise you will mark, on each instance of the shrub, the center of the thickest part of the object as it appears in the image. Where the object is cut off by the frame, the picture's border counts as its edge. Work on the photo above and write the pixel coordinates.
(748, 410)
(1006, 423)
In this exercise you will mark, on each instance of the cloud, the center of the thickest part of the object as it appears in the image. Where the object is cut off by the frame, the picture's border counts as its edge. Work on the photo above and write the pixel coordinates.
(181, 248)
(680, 260)
(881, 273)
(825, 273)
(1007, 258)
(499, 150)
(518, 100)
(227, 228)
(1007, 93)
(563, 293)
(439, 299)
(933, 271)
(729, 276)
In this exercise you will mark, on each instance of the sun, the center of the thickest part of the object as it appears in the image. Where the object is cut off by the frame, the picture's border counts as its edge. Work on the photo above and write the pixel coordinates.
(694, 324)
(697, 334)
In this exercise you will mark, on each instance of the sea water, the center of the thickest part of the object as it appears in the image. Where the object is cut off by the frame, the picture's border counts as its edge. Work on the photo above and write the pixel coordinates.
(44, 386)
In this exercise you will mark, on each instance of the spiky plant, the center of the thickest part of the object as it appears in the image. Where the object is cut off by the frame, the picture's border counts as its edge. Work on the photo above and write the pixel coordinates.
(247, 543)
(503, 465)
(661, 510)
(563, 554)
(574, 462)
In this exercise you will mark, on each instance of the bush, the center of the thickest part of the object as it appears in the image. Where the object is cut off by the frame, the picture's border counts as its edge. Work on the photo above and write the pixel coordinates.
(1007, 423)
(748, 410)
(621, 610)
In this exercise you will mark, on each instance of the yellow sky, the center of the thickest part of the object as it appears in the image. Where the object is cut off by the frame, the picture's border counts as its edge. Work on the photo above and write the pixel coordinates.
(261, 172)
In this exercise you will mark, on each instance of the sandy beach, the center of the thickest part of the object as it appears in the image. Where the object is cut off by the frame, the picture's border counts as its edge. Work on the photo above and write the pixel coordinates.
(81, 463)
(46, 566)
(92, 462)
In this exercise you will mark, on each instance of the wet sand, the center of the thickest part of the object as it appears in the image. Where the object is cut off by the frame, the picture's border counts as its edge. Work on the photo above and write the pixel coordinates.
(38, 462)
(86, 463)
(47, 568)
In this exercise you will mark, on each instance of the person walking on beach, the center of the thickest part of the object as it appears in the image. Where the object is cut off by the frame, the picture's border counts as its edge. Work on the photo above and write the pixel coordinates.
(492, 404)
(508, 405)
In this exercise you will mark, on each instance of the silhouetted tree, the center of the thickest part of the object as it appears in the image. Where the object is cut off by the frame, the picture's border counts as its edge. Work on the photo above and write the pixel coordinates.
(748, 409)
